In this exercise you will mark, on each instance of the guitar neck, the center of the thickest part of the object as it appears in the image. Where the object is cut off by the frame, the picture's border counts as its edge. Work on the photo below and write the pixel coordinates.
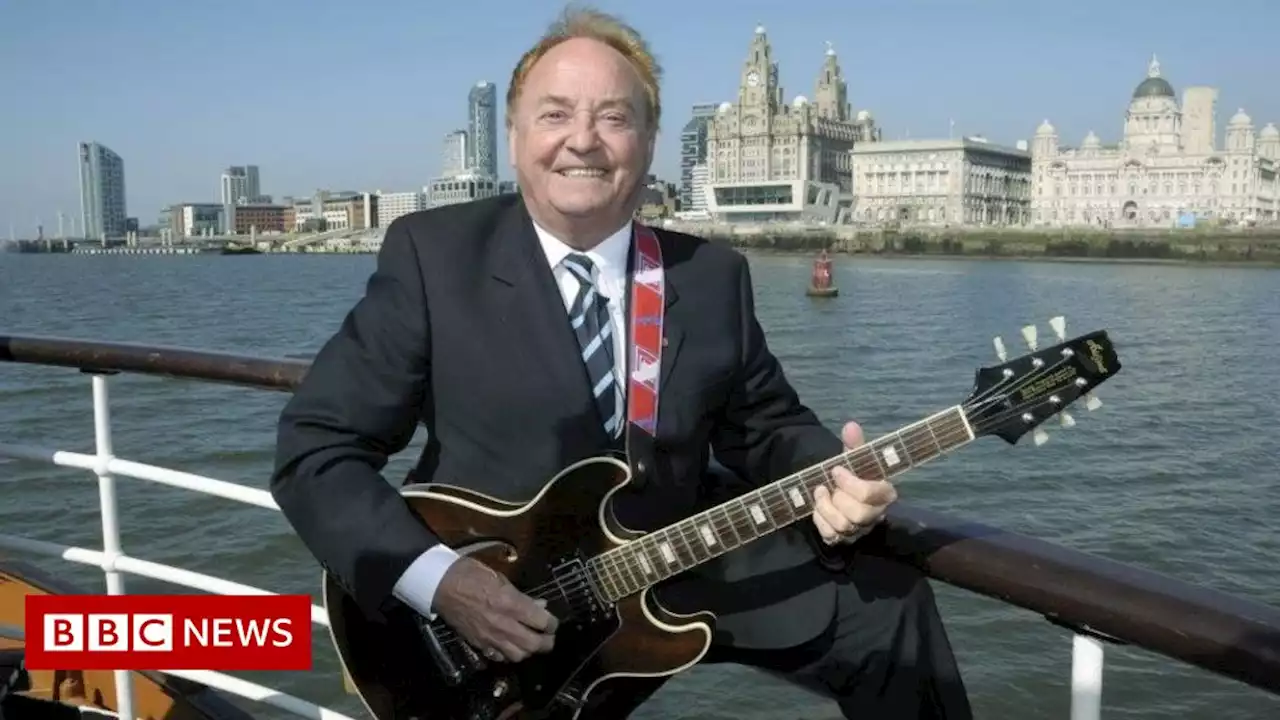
(661, 554)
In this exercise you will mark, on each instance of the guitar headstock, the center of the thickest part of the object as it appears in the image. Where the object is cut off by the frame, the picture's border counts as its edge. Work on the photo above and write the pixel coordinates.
(1017, 396)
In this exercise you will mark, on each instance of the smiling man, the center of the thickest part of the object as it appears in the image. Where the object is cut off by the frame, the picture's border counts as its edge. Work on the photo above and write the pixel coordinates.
(504, 325)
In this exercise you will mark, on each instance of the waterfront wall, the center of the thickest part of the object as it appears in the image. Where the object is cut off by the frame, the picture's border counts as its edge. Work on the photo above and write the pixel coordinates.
(1193, 245)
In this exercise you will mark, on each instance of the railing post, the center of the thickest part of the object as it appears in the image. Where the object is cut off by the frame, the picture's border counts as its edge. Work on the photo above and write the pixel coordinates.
(110, 523)
(1086, 678)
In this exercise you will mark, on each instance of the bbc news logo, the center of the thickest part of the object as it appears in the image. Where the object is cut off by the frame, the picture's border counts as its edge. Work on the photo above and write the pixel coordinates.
(168, 632)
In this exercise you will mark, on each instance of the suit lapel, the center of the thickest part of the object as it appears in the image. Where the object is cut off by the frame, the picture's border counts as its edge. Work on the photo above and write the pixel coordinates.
(536, 314)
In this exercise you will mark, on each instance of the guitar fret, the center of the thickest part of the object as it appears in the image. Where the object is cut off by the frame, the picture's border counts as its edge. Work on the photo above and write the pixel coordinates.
(679, 547)
(625, 576)
(666, 552)
(645, 561)
(742, 517)
(797, 494)
(694, 540)
(723, 525)
(934, 436)
(604, 580)
(892, 450)
(779, 506)
(696, 548)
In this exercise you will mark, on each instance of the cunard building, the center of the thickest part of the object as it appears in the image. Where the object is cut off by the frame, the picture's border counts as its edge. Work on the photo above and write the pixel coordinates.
(770, 161)
(1166, 170)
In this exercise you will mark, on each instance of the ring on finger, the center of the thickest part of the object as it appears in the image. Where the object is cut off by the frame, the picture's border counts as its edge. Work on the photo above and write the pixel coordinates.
(493, 654)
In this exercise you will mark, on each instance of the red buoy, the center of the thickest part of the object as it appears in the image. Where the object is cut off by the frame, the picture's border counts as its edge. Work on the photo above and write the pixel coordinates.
(821, 284)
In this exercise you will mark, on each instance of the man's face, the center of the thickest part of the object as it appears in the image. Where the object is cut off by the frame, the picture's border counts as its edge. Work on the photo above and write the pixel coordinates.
(580, 142)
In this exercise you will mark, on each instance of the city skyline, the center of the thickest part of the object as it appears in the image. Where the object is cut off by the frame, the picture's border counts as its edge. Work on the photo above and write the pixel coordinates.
(943, 72)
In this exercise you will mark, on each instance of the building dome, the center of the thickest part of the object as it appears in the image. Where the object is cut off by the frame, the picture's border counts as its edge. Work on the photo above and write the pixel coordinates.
(1045, 128)
(1270, 131)
(1091, 140)
(864, 116)
(1154, 86)
(800, 101)
(1241, 118)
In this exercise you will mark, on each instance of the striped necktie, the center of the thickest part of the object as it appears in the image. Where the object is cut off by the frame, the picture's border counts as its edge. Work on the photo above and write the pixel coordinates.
(590, 320)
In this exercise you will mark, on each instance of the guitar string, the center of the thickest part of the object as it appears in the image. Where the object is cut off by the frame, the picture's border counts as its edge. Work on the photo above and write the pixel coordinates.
(611, 561)
(577, 592)
(856, 460)
(613, 566)
(578, 589)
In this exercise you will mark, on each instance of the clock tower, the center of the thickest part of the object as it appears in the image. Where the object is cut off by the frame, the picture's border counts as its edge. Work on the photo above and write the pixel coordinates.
(768, 159)
(759, 87)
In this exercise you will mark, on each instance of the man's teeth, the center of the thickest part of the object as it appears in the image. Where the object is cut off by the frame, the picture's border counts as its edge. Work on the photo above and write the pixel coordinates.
(582, 172)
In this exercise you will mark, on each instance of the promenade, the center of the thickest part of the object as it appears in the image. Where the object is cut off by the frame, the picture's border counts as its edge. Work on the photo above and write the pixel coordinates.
(1211, 245)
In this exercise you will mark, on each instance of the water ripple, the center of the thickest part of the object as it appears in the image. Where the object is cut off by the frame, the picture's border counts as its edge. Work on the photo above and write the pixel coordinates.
(1176, 473)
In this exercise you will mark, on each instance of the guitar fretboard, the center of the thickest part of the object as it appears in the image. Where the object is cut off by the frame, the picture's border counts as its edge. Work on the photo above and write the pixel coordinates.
(661, 554)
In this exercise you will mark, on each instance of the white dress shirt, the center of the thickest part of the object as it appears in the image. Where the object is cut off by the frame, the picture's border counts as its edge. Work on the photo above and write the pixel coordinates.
(417, 586)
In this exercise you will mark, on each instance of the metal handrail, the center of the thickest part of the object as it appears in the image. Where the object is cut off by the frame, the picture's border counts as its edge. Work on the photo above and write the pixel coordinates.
(1096, 599)
(114, 562)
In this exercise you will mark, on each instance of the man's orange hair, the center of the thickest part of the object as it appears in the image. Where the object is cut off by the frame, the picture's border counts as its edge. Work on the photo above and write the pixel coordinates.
(599, 26)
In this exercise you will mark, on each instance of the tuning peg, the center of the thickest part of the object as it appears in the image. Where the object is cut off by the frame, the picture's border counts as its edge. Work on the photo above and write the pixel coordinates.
(1091, 402)
(1029, 334)
(1059, 325)
(1040, 437)
(1000, 351)
(1066, 420)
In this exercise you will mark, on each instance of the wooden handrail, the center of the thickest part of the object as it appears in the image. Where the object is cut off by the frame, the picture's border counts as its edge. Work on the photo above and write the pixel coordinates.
(1209, 629)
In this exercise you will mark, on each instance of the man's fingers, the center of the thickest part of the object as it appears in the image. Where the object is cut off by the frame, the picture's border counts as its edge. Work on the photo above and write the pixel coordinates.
(870, 492)
(825, 530)
(546, 643)
(824, 507)
(851, 435)
(529, 612)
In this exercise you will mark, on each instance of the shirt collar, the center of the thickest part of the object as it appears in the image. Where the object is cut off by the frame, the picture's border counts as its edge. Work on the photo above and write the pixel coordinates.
(610, 256)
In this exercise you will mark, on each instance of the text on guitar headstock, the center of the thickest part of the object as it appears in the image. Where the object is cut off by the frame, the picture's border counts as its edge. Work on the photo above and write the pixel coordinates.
(1018, 395)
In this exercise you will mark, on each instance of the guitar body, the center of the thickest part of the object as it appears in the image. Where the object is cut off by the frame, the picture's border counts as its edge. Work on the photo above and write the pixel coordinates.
(553, 548)
(405, 667)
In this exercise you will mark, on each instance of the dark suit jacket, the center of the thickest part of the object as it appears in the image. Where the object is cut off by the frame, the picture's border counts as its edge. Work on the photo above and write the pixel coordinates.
(462, 328)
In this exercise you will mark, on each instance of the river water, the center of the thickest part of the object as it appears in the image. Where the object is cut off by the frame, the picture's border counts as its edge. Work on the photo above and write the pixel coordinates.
(1176, 472)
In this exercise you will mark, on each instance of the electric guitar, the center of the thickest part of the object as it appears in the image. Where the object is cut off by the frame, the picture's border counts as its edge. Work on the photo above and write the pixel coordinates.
(566, 547)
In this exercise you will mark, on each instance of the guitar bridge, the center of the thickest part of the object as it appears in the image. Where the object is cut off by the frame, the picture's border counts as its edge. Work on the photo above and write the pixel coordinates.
(452, 673)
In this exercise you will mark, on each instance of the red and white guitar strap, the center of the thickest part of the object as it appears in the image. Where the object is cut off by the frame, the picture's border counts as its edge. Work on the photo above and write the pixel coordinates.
(644, 362)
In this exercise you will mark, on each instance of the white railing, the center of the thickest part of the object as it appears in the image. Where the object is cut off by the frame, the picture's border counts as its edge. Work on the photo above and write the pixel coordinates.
(1087, 654)
(115, 563)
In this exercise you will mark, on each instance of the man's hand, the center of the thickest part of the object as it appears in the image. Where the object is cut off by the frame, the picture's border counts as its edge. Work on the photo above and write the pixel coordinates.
(854, 506)
(498, 620)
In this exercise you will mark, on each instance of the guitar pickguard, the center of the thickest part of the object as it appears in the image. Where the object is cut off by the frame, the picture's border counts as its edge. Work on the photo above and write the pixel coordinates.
(588, 625)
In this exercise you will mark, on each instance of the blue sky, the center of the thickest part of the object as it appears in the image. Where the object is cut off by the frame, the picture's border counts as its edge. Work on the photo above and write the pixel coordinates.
(358, 95)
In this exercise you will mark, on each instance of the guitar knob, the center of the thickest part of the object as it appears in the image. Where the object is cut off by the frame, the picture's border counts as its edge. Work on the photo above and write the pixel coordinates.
(1040, 437)
(1066, 420)
(1000, 351)
(1059, 325)
(1029, 334)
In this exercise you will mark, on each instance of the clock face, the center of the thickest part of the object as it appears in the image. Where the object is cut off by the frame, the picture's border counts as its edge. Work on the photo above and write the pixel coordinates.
(753, 78)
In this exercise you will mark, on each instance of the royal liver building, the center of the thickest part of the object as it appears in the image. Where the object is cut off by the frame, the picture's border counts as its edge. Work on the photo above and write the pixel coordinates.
(770, 161)
(1166, 171)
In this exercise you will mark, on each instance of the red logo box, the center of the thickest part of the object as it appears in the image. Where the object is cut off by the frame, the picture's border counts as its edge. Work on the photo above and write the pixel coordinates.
(168, 632)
